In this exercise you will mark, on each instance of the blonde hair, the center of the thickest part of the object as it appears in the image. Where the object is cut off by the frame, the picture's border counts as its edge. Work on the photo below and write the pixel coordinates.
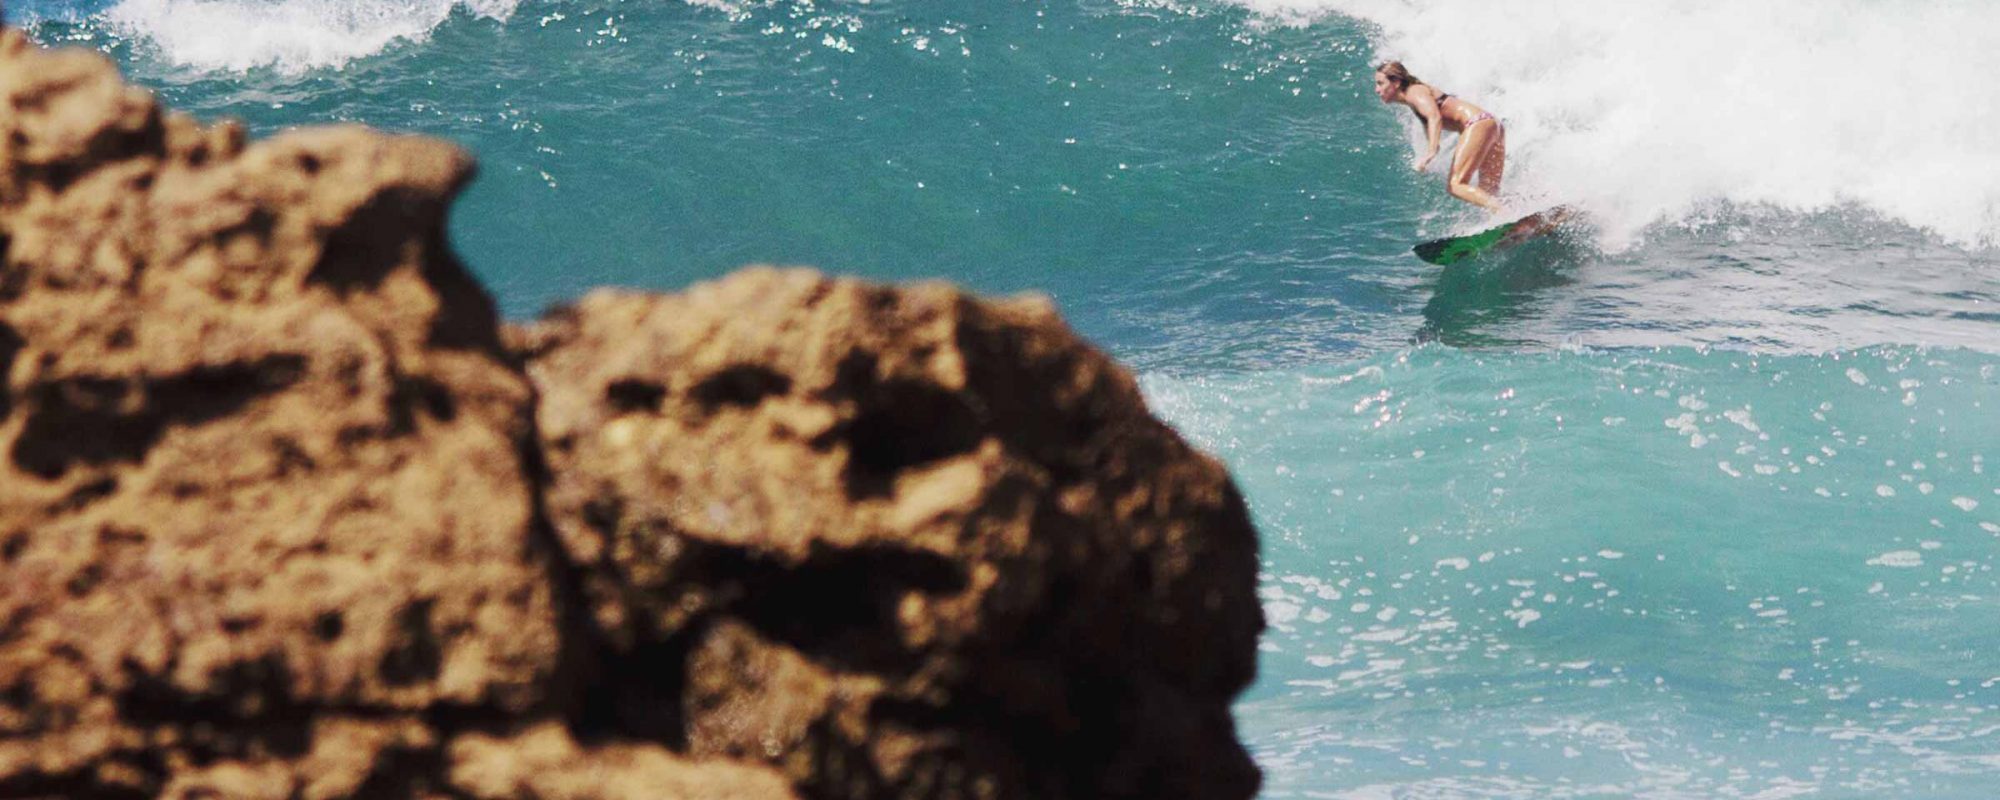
(1399, 75)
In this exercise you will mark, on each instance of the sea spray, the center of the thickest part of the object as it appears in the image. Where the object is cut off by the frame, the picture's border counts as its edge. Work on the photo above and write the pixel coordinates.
(1654, 112)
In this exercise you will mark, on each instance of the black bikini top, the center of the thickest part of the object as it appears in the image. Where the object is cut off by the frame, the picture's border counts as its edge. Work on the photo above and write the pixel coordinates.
(1442, 96)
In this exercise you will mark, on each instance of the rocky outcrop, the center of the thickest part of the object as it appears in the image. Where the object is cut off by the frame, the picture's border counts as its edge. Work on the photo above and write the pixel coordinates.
(907, 542)
(281, 515)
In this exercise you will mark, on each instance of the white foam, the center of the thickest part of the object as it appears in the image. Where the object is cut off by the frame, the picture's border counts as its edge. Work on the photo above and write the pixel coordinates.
(288, 35)
(1644, 113)
(1389, 635)
(1522, 617)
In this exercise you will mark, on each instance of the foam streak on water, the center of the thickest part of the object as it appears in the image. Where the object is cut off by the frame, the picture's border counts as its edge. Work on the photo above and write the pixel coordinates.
(289, 35)
(1648, 112)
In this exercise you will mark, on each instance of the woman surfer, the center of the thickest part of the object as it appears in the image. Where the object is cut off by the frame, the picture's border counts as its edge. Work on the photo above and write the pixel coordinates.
(1482, 143)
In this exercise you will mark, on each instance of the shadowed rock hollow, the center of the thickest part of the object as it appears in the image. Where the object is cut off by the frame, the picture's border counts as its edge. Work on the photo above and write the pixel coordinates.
(282, 516)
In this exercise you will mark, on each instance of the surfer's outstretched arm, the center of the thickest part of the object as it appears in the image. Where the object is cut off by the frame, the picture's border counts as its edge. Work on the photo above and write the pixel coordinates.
(1424, 102)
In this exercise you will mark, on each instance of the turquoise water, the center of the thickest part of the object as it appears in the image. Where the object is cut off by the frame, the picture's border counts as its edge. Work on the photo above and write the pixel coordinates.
(1659, 573)
(1691, 502)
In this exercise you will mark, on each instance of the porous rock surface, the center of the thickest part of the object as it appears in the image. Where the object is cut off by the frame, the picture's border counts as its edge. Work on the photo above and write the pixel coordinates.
(910, 542)
(286, 513)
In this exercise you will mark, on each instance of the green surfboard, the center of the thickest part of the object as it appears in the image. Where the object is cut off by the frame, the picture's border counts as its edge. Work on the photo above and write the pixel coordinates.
(1445, 252)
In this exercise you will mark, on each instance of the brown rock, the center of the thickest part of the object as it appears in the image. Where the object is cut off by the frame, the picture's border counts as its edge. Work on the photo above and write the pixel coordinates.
(544, 763)
(263, 485)
(898, 542)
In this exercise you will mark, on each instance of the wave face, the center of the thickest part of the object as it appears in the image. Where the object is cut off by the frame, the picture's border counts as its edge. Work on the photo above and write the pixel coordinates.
(1656, 110)
(1696, 503)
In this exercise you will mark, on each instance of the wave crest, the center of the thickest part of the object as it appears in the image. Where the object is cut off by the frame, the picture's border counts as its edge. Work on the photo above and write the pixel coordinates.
(1652, 112)
(288, 35)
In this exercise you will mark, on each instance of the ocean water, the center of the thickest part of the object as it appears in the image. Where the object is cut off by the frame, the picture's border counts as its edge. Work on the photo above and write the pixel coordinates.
(1693, 500)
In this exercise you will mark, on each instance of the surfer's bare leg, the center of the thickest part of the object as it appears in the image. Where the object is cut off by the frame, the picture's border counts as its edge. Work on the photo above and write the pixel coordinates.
(1474, 145)
(1494, 166)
